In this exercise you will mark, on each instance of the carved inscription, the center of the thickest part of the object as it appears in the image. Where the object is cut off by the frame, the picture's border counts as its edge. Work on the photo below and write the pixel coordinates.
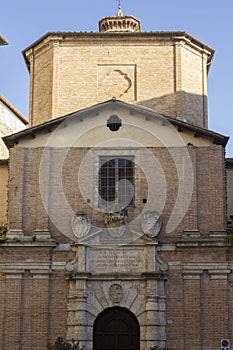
(116, 260)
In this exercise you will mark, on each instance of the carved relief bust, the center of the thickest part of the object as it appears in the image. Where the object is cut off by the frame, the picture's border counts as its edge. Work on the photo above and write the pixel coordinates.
(116, 293)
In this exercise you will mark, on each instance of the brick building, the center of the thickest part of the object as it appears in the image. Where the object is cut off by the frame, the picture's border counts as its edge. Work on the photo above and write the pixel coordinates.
(117, 197)
(10, 121)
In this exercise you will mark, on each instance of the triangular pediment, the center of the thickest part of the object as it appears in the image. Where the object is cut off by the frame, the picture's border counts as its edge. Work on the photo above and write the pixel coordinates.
(90, 126)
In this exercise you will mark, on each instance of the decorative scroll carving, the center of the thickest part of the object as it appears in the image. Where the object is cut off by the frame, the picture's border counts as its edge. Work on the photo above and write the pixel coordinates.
(118, 82)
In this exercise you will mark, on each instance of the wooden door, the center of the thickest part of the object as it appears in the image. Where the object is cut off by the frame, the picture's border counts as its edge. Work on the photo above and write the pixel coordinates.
(116, 328)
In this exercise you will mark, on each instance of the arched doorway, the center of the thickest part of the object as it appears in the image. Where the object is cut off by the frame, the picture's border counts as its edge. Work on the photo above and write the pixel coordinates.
(116, 328)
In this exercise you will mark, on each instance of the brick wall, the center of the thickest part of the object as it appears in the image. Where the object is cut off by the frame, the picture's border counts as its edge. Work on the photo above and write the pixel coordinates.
(198, 289)
(69, 73)
(41, 88)
(229, 173)
(27, 211)
(33, 304)
(3, 191)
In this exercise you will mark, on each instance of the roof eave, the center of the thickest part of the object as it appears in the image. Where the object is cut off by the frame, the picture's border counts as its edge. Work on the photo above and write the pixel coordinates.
(198, 131)
(3, 41)
(229, 162)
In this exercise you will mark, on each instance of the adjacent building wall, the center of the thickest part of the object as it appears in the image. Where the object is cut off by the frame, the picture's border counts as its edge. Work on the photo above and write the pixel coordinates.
(11, 121)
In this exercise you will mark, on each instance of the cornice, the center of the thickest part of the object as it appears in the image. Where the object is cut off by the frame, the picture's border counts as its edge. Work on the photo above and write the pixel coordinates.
(124, 38)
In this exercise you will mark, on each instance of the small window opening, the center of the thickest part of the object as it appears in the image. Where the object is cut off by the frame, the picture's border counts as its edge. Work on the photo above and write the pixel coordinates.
(114, 123)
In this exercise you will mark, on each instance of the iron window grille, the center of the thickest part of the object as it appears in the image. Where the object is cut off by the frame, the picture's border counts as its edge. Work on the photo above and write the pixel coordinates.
(116, 182)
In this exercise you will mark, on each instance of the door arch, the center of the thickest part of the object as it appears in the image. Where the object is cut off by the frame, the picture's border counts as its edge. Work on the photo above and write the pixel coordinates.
(116, 328)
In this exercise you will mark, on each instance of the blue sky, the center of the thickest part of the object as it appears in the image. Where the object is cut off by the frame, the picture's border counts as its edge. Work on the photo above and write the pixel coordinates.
(211, 21)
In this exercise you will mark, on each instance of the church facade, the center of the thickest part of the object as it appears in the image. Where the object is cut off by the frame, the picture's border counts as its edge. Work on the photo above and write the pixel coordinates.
(117, 197)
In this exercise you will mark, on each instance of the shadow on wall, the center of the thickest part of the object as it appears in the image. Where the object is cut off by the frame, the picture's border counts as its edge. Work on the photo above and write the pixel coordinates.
(188, 107)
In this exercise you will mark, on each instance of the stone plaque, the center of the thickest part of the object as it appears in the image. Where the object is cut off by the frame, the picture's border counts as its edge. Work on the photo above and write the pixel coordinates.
(116, 260)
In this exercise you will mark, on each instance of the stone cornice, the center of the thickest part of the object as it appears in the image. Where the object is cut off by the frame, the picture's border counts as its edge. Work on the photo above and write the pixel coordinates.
(194, 239)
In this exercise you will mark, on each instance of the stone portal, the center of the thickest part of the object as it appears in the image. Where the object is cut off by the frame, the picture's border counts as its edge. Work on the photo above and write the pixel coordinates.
(114, 277)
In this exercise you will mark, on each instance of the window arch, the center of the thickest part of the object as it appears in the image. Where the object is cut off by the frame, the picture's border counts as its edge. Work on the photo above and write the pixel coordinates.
(116, 328)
